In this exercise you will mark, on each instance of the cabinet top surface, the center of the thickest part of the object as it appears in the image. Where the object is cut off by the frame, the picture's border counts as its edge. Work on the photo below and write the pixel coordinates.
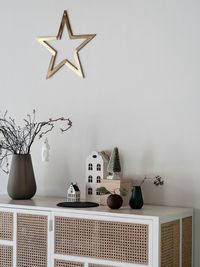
(50, 204)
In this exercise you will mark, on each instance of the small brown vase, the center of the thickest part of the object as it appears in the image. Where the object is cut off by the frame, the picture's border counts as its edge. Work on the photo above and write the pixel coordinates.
(21, 181)
(114, 201)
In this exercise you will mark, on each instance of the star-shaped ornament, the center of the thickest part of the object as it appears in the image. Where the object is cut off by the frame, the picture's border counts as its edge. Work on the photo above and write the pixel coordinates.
(44, 41)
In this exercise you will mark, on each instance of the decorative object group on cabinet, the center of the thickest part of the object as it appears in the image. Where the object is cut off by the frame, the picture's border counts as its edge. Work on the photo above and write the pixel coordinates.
(104, 171)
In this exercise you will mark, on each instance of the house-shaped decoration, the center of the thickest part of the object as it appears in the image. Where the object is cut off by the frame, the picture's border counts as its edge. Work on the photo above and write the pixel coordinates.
(96, 170)
(73, 193)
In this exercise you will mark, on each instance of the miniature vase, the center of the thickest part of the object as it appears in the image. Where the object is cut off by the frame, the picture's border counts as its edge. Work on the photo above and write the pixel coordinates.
(21, 181)
(136, 200)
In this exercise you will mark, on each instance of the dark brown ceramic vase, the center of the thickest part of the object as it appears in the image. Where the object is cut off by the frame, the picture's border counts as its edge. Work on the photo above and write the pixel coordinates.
(21, 181)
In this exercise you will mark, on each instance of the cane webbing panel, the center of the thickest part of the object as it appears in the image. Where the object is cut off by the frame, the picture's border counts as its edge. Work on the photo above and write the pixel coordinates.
(98, 265)
(6, 256)
(6, 225)
(32, 240)
(117, 241)
(170, 244)
(187, 242)
(61, 263)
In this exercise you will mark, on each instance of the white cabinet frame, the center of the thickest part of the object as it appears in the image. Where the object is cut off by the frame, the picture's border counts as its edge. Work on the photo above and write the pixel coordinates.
(153, 216)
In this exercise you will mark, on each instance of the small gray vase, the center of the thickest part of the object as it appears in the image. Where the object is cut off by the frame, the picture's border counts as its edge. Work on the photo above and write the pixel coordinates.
(21, 181)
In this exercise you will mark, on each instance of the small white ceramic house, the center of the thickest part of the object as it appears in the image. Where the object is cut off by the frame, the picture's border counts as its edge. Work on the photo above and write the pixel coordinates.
(73, 193)
(96, 170)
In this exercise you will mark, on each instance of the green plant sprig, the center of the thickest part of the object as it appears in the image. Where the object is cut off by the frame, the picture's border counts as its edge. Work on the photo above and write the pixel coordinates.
(104, 191)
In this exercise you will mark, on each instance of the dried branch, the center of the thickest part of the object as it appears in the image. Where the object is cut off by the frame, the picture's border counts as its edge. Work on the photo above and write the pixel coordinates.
(15, 139)
(4, 161)
(157, 180)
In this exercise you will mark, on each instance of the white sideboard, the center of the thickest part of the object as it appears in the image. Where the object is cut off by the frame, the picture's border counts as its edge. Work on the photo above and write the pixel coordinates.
(37, 233)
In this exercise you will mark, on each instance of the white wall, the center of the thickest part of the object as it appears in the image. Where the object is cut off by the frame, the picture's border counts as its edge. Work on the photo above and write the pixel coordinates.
(141, 91)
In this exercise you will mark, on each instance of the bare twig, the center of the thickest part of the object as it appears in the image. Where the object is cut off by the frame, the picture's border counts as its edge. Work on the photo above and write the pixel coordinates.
(15, 139)
(157, 180)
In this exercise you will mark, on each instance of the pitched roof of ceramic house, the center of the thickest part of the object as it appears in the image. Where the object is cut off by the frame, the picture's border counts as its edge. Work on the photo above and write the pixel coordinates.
(104, 155)
(75, 186)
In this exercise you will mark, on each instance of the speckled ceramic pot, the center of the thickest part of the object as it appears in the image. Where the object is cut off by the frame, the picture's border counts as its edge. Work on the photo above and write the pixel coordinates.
(21, 182)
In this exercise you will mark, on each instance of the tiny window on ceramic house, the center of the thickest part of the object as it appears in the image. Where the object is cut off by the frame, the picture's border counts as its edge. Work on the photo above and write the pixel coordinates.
(90, 179)
(98, 167)
(98, 179)
(89, 191)
(90, 167)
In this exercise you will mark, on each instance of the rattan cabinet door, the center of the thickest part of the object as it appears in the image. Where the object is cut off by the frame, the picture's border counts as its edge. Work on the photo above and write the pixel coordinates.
(32, 240)
(6, 256)
(187, 242)
(6, 225)
(170, 244)
(62, 263)
(6, 238)
(107, 240)
(98, 265)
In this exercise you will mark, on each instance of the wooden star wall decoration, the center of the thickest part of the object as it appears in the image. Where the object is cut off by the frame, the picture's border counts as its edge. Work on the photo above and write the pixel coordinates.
(75, 68)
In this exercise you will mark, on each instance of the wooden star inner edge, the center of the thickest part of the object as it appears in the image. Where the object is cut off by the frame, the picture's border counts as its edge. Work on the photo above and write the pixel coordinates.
(75, 68)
